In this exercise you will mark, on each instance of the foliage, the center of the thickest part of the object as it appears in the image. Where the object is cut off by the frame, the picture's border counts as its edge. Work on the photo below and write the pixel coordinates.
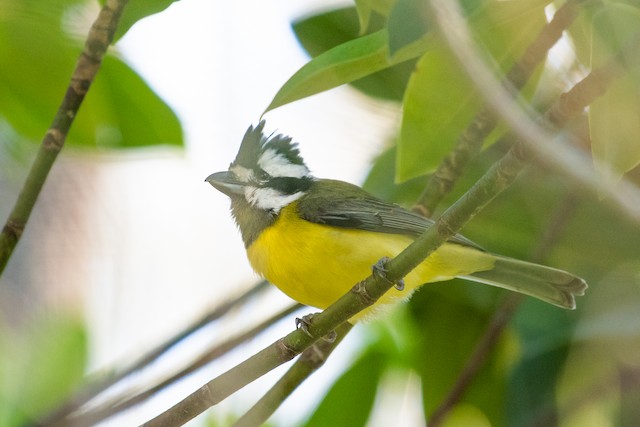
(548, 366)
(525, 380)
(40, 366)
(36, 33)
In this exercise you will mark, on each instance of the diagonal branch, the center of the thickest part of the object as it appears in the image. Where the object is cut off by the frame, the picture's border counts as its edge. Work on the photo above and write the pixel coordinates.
(470, 141)
(364, 294)
(99, 38)
(540, 140)
(121, 403)
(308, 362)
(500, 319)
(100, 382)
(361, 296)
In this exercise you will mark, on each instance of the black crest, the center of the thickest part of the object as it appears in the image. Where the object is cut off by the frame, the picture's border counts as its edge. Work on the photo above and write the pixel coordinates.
(255, 143)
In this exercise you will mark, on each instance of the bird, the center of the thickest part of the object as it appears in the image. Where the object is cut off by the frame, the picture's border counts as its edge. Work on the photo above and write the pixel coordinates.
(315, 238)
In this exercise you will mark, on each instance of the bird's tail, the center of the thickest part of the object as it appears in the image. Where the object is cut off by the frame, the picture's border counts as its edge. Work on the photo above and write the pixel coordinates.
(551, 285)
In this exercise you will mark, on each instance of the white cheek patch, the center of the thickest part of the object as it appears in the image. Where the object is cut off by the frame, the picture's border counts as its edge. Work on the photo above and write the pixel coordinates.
(243, 174)
(277, 165)
(269, 198)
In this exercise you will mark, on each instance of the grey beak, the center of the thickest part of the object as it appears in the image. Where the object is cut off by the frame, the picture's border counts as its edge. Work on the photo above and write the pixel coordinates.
(226, 182)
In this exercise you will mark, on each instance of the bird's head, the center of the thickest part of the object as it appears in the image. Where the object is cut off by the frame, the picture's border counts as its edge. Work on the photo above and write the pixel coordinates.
(268, 172)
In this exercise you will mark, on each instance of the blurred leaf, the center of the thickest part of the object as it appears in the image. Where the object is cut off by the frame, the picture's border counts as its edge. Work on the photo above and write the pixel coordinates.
(42, 59)
(342, 64)
(464, 415)
(137, 10)
(368, 9)
(408, 22)
(40, 368)
(319, 33)
(614, 118)
(530, 399)
(380, 181)
(120, 109)
(451, 327)
(613, 311)
(351, 397)
(439, 103)
(594, 241)
(440, 100)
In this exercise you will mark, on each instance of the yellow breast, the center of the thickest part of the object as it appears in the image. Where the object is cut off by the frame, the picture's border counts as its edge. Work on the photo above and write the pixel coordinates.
(316, 264)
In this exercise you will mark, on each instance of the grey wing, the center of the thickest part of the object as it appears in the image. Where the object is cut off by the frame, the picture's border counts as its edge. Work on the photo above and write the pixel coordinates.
(373, 215)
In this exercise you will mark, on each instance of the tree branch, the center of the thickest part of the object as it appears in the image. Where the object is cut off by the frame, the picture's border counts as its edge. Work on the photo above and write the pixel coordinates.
(308, 362)
(364, 294)
(501, 318)
(555, 151)
(121, 403)
(100, 382)
(98, 40)
(470, 141)
(361, 296)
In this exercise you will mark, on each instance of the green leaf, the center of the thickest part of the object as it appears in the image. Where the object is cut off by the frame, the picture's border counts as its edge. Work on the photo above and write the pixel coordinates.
(381, 181)
(614, 118)
(451, 325)
(319, 33)
(531, 392)
(408, 22)
(351, 397)
(120, 109)
(440, 101)
(546, 335)
(42, 59)
(343, 64)
(367, 9)
(137, 10)
(40, 367)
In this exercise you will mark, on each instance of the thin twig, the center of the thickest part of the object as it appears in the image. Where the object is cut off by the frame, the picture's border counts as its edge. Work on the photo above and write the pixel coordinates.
(100, 382)
(120, 403)
(470, 140)
(98, 40)
(308, 362)
(478, 357)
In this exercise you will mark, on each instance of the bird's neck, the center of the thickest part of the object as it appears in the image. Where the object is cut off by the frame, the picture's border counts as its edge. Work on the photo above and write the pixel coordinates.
(251, 221)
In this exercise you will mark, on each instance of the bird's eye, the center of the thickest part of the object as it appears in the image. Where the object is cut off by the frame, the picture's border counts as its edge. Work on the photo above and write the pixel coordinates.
(261, 175)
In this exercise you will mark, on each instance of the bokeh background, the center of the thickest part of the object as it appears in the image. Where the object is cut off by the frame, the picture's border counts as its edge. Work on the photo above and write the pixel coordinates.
(128, 245)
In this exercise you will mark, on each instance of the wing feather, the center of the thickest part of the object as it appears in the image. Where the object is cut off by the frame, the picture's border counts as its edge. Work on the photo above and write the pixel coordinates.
(341, 204)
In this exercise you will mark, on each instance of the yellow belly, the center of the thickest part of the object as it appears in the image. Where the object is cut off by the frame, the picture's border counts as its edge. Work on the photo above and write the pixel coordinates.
(316, 264)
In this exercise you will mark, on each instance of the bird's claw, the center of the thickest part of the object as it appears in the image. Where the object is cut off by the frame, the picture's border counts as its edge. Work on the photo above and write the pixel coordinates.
(305, 321)
(380, 270)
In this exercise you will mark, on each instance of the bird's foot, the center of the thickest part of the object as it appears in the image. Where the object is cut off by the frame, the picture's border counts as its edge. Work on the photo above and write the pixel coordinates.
(380, 270)
(305, 322)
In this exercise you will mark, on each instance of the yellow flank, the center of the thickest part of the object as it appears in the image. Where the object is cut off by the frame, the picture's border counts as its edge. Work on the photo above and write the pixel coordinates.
(316, 264)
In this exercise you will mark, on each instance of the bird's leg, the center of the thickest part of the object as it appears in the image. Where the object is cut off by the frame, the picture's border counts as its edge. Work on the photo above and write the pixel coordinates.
(380, 270)
(305, 321)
